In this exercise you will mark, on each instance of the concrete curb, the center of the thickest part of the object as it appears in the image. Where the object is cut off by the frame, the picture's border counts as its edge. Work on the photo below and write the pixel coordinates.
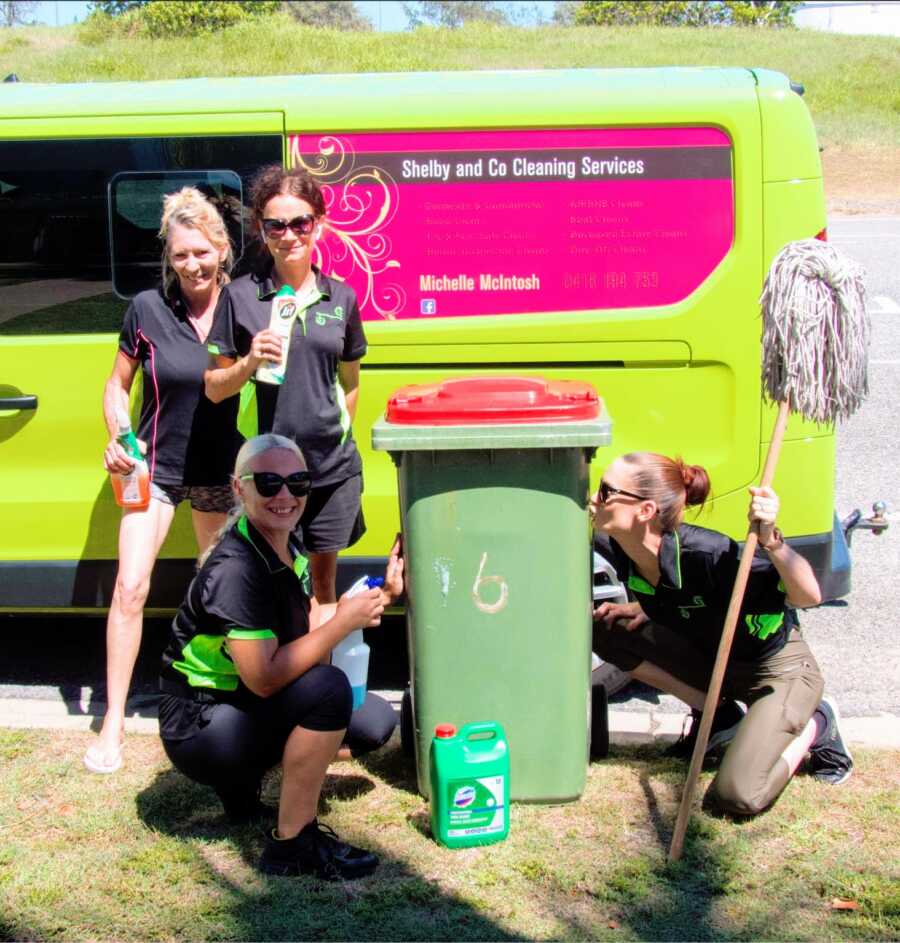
(625, 727)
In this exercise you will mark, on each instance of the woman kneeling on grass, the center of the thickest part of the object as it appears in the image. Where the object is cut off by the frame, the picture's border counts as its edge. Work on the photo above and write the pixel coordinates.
(681, 577)
(246, 678)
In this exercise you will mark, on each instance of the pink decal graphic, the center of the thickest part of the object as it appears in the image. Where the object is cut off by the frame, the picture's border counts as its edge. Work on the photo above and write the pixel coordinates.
(464, 223)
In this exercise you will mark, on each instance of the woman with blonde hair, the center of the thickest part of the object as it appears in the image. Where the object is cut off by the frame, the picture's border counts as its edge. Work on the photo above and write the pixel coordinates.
(245, 677)
(190, 443)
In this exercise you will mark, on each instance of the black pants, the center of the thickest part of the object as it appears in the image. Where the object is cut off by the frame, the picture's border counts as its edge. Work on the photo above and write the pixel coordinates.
(235, 744)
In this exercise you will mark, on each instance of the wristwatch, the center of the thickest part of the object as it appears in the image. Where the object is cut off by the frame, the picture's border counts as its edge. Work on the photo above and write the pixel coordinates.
(777, 540)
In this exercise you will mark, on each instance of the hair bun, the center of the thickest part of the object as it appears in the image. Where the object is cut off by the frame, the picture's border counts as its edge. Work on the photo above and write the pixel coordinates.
(696, 483)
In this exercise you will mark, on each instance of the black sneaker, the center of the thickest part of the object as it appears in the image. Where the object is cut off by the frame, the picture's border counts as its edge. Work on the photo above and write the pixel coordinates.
(724, 726)
(829, 759)
(318, 851)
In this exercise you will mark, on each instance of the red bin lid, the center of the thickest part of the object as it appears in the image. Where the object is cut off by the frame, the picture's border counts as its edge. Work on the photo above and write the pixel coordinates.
(493, 400)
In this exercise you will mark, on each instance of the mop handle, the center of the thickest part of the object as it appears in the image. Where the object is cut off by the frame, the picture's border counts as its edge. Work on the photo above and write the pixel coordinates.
(718, 672)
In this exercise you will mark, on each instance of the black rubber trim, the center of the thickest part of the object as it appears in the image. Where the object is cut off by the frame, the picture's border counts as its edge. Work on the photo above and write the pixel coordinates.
(19, 402)
(88, 584)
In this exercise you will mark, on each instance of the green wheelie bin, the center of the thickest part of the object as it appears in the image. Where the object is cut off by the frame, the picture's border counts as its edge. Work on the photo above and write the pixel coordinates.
(493, 485)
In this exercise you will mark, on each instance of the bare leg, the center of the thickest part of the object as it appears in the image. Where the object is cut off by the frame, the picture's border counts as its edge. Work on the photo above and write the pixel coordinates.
(141, 534)
(323, 570)
(799, 747)
(306, 757)
(656, 677)
(206, 525)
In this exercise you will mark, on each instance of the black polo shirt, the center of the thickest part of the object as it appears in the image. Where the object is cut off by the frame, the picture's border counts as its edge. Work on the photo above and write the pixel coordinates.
(309, 407)
(242, 591)
(697, 571)
(190, 440)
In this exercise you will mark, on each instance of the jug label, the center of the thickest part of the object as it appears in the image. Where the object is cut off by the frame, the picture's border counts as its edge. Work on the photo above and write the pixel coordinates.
(476, 806)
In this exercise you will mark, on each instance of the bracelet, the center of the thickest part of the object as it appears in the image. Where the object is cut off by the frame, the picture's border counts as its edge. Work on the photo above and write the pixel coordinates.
(777, 541)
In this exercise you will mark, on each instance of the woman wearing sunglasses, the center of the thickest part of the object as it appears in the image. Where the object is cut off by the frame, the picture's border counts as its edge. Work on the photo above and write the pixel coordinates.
(245, 678)
(190, 442)
(316, 403)
(681, 578)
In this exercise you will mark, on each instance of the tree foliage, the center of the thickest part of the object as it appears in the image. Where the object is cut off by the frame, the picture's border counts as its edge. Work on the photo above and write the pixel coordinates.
(455, 13)
(158, 18)
(680, 13)
(115, 7)
(13, 12)
(328, 14)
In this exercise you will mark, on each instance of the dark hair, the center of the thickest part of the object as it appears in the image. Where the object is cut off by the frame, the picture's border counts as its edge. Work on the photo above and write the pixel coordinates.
(274, 180)
(669, 482)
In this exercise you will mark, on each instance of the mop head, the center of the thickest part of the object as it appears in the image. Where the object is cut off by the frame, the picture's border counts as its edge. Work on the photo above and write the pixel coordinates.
(815, 332)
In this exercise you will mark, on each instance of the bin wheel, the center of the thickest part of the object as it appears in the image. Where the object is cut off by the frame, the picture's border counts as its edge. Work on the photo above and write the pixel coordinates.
(611, 677)
(407, 727)
(599, 723)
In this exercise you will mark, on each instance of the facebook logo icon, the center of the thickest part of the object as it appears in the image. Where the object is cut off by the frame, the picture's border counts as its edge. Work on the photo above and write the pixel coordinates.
(427, 306)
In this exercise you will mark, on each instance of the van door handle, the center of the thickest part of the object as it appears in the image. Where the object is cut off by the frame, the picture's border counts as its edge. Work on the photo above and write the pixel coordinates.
(18, 402)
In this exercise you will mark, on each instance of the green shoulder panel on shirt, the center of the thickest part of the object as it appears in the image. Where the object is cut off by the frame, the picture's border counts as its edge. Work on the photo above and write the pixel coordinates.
(301, 568)
(205, 665)
(248, 416)
(677, 561)
(239, 632)
(640, 585)
(764, 624)
(213, 349)
(341, 398)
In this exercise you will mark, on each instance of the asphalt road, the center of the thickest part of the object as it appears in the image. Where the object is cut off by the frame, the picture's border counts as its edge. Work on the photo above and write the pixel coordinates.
(856, 641)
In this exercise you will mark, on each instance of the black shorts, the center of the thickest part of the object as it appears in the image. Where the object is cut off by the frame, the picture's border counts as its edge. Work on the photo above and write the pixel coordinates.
(333, 517)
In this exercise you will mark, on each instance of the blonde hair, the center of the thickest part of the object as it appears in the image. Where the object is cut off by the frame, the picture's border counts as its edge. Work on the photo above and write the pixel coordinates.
(189, 207)
(250, 450)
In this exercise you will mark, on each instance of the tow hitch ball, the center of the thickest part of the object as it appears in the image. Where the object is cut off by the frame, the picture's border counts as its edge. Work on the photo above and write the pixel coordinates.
(877, 523)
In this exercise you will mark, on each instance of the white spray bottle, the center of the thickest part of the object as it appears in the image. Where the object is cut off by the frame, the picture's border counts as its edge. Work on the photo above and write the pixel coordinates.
(351, 654)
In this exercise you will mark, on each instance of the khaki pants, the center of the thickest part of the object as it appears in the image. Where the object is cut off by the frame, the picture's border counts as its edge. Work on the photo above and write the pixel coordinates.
(781, 694)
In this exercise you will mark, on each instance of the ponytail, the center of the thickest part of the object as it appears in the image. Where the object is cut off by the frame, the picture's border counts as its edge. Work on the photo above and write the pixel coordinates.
(669, 483)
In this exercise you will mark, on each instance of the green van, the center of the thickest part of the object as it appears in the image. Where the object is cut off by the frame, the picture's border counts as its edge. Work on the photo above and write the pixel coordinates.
(613, 227)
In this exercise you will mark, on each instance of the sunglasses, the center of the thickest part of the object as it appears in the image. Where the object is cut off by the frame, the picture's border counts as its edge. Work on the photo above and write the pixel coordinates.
(606, 489)
(268, 484)
(300, 225)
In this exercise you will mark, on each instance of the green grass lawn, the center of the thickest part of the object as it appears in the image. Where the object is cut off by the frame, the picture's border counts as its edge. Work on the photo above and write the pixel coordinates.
(852, 82)
(145, 854)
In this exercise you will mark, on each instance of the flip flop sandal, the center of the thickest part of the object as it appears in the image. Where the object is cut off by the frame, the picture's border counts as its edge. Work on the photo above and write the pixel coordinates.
(94, 760)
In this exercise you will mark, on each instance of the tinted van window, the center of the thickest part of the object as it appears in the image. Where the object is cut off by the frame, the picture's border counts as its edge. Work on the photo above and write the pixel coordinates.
(55, 264)
(135, 205)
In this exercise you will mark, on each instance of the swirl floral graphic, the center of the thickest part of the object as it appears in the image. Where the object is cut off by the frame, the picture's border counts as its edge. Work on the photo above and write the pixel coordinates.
(362, 201)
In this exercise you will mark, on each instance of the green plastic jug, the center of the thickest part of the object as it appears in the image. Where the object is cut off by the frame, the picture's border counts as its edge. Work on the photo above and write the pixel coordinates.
(469, 785)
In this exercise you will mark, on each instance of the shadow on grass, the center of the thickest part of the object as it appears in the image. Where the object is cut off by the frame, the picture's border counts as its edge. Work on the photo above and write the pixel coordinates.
(394, 903)
(393, 767)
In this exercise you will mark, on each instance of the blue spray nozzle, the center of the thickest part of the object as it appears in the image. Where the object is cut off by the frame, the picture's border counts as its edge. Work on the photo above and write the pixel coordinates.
(364, 583)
